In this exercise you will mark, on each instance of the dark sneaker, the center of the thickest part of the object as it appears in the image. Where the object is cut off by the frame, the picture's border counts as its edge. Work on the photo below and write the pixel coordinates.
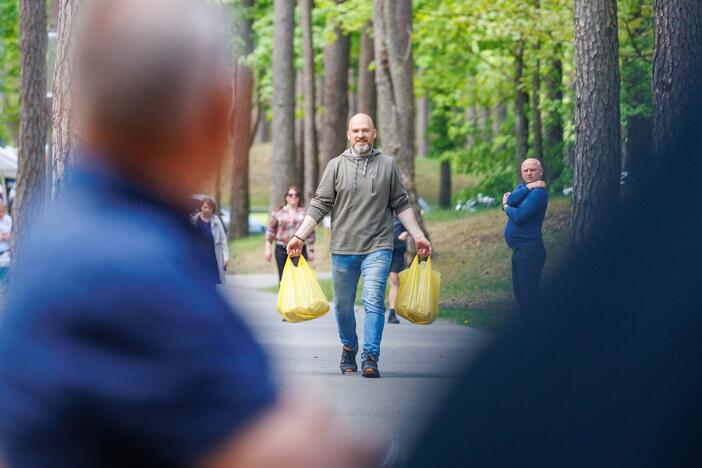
(392, 317)
(370, 366)
(348, 360)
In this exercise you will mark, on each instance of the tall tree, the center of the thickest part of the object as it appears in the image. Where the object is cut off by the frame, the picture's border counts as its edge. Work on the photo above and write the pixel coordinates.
(33, 117)
(243, 82)
(521, 99)
(677, 69)
(366, 76)
(421, 132)
(553, 134)
(335, 96)
(311, 158)
(393, 53)
(283, 105)
(64, 136)
(597, 140)
(299, 131)
(445, 184)
(536, 92)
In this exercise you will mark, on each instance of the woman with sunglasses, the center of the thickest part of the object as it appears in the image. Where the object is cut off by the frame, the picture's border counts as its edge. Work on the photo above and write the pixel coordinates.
(285, 220)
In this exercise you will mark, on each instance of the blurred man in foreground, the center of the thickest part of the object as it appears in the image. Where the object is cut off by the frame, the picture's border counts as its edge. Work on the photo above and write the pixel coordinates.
(115, 347)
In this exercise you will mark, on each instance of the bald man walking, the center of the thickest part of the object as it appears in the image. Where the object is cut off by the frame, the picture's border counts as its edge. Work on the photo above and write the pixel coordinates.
(525, 208)
(361, 188)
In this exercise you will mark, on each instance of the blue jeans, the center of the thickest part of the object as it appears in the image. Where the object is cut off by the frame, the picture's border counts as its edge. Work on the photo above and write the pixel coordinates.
(346, 270)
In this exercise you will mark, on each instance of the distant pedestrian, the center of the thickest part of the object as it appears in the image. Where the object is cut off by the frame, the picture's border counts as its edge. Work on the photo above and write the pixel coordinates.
(210, 226)
(285, 221)
(525, 207)
(5, 229)
(397, 264)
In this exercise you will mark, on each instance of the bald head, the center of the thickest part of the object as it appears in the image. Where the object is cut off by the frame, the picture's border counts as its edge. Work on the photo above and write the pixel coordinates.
(144, 67)
(361, 134)
(531, 170)
(361, 119)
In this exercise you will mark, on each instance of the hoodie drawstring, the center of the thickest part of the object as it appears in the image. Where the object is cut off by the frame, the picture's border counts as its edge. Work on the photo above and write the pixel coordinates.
(355, 174)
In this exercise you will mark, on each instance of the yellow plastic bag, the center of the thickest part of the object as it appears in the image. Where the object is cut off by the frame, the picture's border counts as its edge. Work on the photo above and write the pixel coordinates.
(300, 297)
(418, 296)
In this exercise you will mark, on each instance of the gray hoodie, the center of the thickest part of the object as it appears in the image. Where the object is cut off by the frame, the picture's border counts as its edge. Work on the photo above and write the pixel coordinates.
(361, 193)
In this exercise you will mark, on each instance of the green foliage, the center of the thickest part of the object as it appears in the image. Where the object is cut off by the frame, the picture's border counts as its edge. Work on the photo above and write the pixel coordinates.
(636, 57)
(9, 71)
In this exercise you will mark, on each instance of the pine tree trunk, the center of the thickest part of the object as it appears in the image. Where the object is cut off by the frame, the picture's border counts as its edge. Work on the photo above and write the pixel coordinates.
(499, 115)
(536, 109)
(308, 78)
(471, 117)
(239, 201)
(597, 127)
(366, 77)
(484, 124)
(64, 136)
(677, 70)
(299, 132)
(283, 103)
(445, 184)
(553, 137)
(392, 28)
(29, 198)
(336, 100)
(421, 136)
(521, 121)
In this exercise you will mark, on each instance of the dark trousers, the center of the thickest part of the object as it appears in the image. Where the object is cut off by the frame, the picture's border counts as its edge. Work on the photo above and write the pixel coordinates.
(527, 266)
(281, 255)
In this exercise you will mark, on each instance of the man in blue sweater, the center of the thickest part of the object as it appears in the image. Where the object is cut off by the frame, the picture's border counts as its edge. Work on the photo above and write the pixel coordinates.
(525, 207)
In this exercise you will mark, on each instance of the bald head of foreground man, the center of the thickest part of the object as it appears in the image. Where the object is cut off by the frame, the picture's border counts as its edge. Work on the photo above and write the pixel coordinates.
(116, 349)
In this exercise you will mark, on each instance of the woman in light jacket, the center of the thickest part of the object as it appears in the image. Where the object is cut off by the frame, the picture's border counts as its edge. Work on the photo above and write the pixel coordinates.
(210, 225)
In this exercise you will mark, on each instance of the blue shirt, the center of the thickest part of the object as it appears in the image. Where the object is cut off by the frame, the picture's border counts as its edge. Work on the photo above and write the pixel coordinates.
(115, 347)
(526, 212)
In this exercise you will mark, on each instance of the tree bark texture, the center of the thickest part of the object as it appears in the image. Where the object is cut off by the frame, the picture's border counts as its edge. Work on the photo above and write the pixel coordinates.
(366, 77)
(392, 28)
(239, 201)
(597, 125)
(421, 143)
(64, 136)
(521, 120)
(335, 96)
(553, 131)
(445, 184)
(484, 124)
(309, 96)
(31, 173)
(499, 115)
(299, 132)
(677, 70)
(393, 52)
(536, 112)
(283, 102)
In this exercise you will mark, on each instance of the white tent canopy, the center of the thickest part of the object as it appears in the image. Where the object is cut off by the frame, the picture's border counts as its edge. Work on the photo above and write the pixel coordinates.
(8, 162)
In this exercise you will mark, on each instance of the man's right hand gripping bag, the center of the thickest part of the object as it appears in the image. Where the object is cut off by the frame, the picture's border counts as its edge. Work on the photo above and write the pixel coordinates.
(418, 296)
(300, 297)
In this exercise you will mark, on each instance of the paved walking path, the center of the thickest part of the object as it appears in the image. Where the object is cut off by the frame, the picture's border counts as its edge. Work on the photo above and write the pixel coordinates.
(416, 362)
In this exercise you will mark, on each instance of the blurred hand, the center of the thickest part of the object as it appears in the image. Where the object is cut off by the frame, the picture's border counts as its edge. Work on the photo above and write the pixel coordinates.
(294, 247)
(226, 264)
(536, 184)
(504, 198)
(403, 236)
(267, 255)
(423, 246)
(295, 434)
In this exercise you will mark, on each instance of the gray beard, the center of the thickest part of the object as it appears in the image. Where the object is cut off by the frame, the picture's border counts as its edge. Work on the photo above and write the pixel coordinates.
(361, 148)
